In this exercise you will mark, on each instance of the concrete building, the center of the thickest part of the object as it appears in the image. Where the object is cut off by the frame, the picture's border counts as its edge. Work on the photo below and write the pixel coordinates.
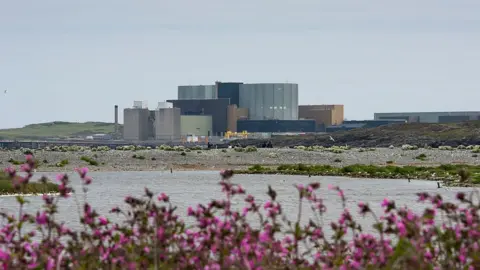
(136, 125)
(324, 115)
(229, 90)
(197, 92)
(217, 108)
(270, 101)
(198, 125)
(167, 122)
(233, 115)
(430, 117)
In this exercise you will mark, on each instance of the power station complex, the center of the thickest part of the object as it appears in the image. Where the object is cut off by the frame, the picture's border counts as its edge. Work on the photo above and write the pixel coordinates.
(261, 108)
(226, 107)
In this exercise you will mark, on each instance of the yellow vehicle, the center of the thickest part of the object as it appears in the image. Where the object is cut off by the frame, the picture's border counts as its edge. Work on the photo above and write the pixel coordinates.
(229, 134)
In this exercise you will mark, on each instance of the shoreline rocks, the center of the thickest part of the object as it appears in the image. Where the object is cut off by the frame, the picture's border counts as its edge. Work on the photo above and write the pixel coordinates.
(217, 159)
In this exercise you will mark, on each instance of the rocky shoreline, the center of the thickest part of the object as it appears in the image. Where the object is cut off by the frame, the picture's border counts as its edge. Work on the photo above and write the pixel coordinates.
(217, 159)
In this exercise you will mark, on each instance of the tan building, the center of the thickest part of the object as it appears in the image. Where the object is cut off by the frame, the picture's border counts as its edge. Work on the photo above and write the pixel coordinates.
(233, 114)
(324, 115)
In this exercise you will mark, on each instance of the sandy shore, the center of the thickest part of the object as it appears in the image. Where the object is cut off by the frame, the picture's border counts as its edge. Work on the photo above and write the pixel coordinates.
(156, 160)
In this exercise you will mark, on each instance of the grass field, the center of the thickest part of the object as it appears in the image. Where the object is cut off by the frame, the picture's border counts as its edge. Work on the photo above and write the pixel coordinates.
(6, 187)
(57, 129)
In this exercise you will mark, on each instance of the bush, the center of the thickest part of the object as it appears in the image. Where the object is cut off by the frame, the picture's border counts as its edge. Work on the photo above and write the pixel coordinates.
(153, 236)
(62, 163)
(409, 147)
(251, 149)
(89, 160)
(422, 157)
(14, 162)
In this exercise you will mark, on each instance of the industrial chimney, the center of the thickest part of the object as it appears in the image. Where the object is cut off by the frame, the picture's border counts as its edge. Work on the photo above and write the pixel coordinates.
(116, 120)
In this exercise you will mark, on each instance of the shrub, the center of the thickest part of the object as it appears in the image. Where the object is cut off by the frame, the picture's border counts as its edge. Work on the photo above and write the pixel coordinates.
(183, 154)
(89, 160)
(390, 162)
(337, 160)
(409, 147)
(153, 236)
(422, 157)
(14, 162)
(250, 149)
(62, 163)
(272, 155)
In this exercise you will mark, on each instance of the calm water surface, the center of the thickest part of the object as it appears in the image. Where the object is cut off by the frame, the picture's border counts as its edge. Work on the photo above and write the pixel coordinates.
(191, 188)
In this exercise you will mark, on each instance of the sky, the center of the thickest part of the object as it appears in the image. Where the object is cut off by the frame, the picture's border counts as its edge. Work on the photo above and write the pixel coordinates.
(74, 60)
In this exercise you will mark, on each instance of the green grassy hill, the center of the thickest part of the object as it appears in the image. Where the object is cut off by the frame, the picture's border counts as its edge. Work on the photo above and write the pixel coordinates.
(57, 130)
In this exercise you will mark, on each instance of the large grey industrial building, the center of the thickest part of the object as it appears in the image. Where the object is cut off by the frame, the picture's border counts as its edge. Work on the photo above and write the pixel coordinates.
(429, 117)
(270, 101)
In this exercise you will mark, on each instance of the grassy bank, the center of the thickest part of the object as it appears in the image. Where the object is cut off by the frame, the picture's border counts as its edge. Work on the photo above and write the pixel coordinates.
(7, 188)
(57, 129)
(453, 174)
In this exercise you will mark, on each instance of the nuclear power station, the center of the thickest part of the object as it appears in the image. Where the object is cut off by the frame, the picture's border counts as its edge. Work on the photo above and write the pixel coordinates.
(224, 108)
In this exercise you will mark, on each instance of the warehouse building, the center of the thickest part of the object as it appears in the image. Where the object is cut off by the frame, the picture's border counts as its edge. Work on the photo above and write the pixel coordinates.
(324, 115)
(216, 108)
(270, 101)
(430, 117)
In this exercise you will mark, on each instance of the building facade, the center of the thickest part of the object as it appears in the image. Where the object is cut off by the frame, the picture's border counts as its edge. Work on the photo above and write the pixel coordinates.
(229, 90)
(270, 101)
(233, 115)
(217, 108)
(324, 115)
(167, 124)
(198, 125)
(197, 92)
(136, 125)
(430, 117)
(270, 126)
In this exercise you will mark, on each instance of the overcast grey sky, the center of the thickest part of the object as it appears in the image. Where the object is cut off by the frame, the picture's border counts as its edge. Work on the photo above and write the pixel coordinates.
(73, 60)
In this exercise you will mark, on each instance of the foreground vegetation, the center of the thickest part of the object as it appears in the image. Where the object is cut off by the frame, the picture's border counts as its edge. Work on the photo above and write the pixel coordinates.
(451, 174)
(152, 235)
(57, 129)
(22, 184)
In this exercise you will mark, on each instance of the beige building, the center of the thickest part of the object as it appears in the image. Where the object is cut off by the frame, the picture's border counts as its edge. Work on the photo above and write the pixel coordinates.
(324, 115)
(198, 125)
(233, 114)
